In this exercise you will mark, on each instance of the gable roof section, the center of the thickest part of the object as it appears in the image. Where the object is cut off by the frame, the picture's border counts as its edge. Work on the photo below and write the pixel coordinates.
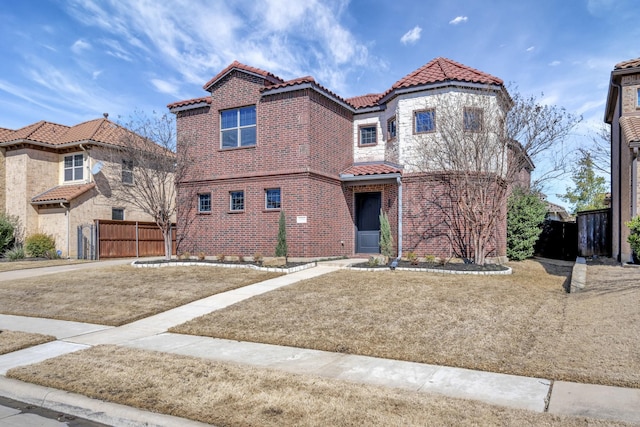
(631, 66)
(5, 134)
(631, 63)
(445, 70)
(61, 194)
(235, 65)
(192, 103)
(364, 101)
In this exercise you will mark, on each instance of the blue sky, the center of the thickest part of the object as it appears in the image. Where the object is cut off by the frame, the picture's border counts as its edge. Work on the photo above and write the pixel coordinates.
(70, 61)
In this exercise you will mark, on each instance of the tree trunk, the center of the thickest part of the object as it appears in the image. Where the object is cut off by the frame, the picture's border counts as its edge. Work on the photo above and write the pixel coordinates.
(168, 241)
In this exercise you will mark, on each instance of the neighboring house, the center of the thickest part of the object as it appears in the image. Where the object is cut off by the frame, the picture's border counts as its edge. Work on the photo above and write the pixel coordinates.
(58, 177)
(260, 145)
(623, 114)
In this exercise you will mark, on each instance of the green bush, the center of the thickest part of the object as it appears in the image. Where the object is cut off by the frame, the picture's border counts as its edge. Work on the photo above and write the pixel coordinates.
(634, 235)
(15, 253)
(525, 215)
(386, 239)
(9, 227)
(281, 247)
(40, 245)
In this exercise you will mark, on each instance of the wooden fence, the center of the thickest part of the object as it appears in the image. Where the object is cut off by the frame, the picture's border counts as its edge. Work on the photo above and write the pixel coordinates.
(125, 239)
(558, 240)
(594, 233)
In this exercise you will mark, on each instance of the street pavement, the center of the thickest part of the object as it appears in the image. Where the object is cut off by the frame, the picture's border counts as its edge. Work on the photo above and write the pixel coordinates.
(535, 394)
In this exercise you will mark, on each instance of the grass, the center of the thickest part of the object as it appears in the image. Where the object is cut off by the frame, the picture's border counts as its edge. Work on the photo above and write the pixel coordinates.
(11, 341)
(118, 295)
(225, 394)
(27, 264)
(523, 324)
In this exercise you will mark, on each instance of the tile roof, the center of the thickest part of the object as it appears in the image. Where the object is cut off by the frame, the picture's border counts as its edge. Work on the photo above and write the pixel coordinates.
(371, 169)
(62, 193)
(96, 131)
(630, 128)
(302, 80)
(5, 133)
(363, 101)
(444, 70)
(632, 63)
(186, 102)
(239, 66)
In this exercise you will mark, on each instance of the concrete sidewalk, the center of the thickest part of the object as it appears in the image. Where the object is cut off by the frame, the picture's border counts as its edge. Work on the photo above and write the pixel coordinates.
(536, 394)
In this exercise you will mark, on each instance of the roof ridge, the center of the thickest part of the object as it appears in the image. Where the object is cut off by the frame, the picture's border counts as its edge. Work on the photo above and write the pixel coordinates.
(243, 67)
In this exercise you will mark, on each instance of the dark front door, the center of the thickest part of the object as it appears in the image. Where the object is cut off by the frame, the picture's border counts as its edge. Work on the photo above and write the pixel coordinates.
(368, 223)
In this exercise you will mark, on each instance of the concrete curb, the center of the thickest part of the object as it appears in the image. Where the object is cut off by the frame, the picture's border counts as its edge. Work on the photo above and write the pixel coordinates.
(85, 407)
(578, 275)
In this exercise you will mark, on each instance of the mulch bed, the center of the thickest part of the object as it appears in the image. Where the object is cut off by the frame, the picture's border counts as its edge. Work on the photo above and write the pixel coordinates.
(216, 262)
(454, 266)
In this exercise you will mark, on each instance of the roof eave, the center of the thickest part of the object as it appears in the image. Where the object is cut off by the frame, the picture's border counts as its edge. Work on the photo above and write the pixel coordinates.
(439, 85)
(377, 178)
(307, 85)
(188, 107)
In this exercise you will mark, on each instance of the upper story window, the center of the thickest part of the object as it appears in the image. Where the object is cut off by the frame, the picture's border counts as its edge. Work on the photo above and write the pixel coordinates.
(238, 127)
(73, 167)
(424, 121)
(236, 200)
(638, 99)
(391, 128)
(272, 198)
(367, 135)
(204, 203)
(472, 119)
(127, 171)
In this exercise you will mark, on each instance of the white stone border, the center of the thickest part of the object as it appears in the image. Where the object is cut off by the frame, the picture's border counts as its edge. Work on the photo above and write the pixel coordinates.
(214, 264)
(443, 271)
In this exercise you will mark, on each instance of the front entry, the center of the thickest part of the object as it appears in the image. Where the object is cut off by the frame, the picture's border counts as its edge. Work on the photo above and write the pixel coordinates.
(368, 223)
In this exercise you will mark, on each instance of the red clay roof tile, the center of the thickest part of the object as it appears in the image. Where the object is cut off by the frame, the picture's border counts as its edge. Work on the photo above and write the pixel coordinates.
(631, 63)
(239, 66)
(206, 99)
(443, 70)
(630, 128)
(63, 193)
(371, 169)
(363, 101)
(6, 134)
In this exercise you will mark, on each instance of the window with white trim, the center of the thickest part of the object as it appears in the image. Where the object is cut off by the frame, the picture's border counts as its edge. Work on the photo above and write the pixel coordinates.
(238, 127)
(391, 128)
(236, 201)
(127, 171)
(73, 167)
(204, 203)
(272, 198)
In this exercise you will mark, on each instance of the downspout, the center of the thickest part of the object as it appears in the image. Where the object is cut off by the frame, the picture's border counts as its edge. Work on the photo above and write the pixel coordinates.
(634, 183)
(399, 181)
(619, 87)
(68, 214)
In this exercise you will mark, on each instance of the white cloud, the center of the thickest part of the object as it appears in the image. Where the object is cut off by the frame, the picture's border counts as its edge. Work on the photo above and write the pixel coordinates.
(96, 74)
(554, 63)
(531, 48)
(411, 36)
(458, 20)
(79, 46)
(164, 86)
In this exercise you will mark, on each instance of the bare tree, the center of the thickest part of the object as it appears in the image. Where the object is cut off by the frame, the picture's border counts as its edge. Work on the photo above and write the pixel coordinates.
(150, 169)
(600, 150)
(482, 140)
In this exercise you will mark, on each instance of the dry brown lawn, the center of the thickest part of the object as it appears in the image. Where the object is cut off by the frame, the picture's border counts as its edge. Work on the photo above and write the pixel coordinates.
(24, 265)
(522, 324)
(13, 340)
(120, 294)
(232, 395)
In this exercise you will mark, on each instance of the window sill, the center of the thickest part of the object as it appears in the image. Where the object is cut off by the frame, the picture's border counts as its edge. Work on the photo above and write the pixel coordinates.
(271, 210)
(204, 213)
(246, 147)
(236, 212)
(367, 145)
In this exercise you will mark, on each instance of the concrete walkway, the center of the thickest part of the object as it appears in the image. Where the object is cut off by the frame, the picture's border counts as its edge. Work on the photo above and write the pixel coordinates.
(536, 394)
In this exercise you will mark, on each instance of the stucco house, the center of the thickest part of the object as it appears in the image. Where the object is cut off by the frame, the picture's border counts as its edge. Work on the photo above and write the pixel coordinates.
(261, 144)
(623, 114)
(58, 177)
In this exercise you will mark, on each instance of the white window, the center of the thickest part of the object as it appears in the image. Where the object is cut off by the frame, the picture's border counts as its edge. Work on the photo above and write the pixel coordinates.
(272, 198)
(73, 167)
(424, 121)
(238, 127)
(204, 203)
(127, 171)
(368, 135)
(472, 119)
(236, 201)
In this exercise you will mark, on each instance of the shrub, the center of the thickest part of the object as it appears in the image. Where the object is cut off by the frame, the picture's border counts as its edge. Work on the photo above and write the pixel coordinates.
(39, 245)
(525, 216)
(281, 247)
(373, 261)
(634, 235)
(221, 257)
(412, 258)
(15, 253)
(201, 256)
(386, 239)
(257, 257)
(9, 232)
(431, 259)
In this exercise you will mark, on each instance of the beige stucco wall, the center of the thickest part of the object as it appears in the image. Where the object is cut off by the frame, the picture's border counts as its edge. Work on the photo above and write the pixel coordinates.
(30, 172)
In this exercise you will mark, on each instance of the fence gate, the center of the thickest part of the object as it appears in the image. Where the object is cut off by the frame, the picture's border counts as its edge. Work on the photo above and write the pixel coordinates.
(87, 241)
(128, 239)
(558, 240)
(594, 233)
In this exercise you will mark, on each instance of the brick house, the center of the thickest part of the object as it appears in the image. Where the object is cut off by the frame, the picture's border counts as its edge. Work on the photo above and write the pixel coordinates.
(260, 144)
(623, 114)
(58, 177)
